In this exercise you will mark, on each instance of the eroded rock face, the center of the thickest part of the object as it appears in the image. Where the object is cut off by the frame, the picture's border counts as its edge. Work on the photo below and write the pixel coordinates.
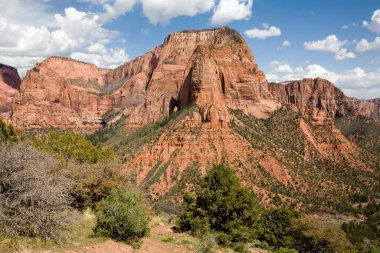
(368, 108)
(212, 68)
(68, 94)
(319, 100)
(9, 85)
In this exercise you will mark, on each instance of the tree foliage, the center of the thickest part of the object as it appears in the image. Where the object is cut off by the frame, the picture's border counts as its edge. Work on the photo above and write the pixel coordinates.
(275, 226)
(312, 235)
(122, 217)
(93, 182)
(7, 132)
(223, 205)
(73, 146)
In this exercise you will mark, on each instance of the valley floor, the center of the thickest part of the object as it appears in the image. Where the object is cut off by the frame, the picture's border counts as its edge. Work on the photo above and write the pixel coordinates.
(162, 239)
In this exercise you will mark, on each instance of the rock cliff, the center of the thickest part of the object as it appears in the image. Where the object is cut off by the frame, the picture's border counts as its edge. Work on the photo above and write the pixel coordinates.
(9, 85)
(212, 68)
(319, 100)
(189, 67)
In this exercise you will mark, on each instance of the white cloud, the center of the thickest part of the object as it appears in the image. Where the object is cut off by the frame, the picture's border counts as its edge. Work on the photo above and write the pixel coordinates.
(356, 82)
(286, 43)
(115, 10)
(280, 67)
(161, 11)
(21, 12)
(329, 44)
(343, 54)
(345, 27)
(104, 59)
(374, 25)
(96, 2)
(230, 10)
(264, 33)
(71, 33)
(364, 45)
(23, 63)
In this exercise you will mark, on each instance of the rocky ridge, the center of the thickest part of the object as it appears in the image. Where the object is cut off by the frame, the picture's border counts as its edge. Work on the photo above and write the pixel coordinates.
(212, 68)
(318, 100)
(189, 67)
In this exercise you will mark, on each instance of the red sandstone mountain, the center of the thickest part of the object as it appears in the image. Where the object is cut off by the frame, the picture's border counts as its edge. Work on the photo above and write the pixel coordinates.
(214, 69)
(280, 137)
(318, 99)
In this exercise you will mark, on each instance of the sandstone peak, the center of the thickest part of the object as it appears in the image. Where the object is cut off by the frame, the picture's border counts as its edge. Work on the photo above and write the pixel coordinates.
(213, 68)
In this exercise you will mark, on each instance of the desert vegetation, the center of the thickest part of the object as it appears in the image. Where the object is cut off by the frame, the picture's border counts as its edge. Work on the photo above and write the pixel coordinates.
(51, 182)
(48, 179)
(228, 212)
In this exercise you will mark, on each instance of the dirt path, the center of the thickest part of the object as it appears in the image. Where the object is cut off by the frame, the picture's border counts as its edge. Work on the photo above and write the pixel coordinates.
(162, 239)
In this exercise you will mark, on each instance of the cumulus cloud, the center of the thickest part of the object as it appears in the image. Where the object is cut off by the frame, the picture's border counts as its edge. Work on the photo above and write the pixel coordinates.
(268, 31)
(374, 24)
(355, 82)
(230, 10)
(343, 54)
(161, 11)
(106, 58)
(364, 45)
(280, 67)
(115, 10)
(68, 33)
(331, 44)
(286, 43)
(22, 63)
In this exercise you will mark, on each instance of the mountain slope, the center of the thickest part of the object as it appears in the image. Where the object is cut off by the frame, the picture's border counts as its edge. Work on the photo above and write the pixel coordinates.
(198, 99)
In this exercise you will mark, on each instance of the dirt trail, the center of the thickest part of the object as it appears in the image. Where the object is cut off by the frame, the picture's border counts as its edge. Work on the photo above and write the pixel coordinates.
(162, 239)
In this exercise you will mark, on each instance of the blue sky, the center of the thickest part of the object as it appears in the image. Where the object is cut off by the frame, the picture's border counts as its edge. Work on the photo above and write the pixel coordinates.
(335, 39)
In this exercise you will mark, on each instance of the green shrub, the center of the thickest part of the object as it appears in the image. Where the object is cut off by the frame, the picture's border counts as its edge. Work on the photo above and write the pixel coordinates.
(93, 182)
(312, 235)
(274, 226)
(7, 132)
(286, 250)
(73, 146)
(223, 205)
(122, 217)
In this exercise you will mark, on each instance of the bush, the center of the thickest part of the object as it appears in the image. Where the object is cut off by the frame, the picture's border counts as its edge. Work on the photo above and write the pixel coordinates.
(275, 226)
(223, 205)
(122, 217)
(34, 197)
(7, 132)
(93, 182)
(73, 146)
(312, 235)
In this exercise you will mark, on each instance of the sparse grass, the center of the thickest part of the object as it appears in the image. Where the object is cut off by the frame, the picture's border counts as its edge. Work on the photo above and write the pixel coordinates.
(80, 233)
(168, 239)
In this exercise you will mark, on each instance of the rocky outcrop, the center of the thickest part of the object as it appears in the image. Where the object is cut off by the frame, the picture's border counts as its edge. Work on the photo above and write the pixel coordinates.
(368, 108)
(212, 68)
(319, 100)
(68, 94)
(9, 85)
